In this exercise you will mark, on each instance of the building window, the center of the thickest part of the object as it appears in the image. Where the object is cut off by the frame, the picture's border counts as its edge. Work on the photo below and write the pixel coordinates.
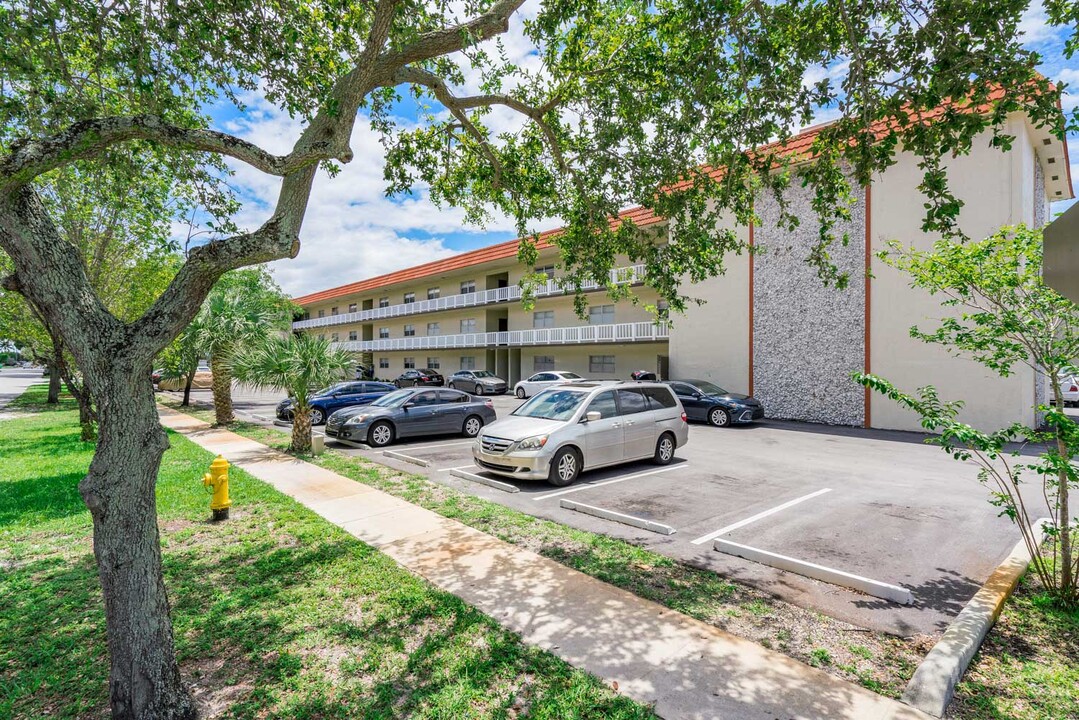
(352, 307)
(410, 298)
(601, 364)
(383, 333)
(383, 363)
(333, 337)
(663, 309)
(601, 315)
(333, 310)
(433, 293)
(383, 302)
(547, 270)
(322, 313)
(351, 334)
(433, 363)
(542, 363)
(410, 330)
(433, 329)
(468, 363)
(468, 286)
(468, 326)
(543, 319)
(410, 363)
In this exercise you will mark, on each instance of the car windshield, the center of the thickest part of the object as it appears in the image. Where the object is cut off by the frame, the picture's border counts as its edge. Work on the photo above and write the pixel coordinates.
(710, 388)
(483, 373)
(395, 399)
(552, 405)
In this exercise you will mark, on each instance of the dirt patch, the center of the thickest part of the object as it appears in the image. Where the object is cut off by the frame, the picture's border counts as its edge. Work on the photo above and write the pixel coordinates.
(173, 526)
(217, 683)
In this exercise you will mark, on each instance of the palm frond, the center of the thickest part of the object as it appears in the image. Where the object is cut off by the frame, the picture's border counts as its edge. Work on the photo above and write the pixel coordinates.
(296, 364)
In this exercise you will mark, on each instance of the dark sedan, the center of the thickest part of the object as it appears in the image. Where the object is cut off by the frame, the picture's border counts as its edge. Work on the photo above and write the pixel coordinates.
(411, 412)
(336, 397)
(425, 377)
(709, 402)
(478, 382)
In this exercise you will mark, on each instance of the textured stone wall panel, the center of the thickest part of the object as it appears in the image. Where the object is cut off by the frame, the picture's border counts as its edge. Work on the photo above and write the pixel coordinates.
(808, 338)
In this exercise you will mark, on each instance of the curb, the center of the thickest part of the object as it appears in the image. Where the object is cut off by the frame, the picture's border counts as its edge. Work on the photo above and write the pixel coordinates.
(885, 591)
(504, 487)
(617, 517)
(933, 684)
(406, 458)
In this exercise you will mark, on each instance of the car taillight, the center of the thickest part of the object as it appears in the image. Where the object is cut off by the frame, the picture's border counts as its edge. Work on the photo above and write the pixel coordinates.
(1073, 389)
(488, 403)
(684, 418)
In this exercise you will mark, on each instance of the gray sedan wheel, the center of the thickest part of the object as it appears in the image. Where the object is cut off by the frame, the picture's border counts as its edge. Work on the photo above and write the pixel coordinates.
(380, 434)
(479, 389)
(565, 467)
(719, 417)
(451, 386)
(473, 425)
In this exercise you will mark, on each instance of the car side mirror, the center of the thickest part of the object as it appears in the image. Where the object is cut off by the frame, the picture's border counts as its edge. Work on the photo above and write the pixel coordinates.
(593, 416)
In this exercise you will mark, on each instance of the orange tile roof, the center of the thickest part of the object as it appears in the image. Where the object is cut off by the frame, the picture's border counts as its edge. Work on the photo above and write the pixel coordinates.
(641, 216)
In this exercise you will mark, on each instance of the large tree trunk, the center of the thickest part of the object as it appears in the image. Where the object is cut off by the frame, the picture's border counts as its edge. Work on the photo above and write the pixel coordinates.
(222, 386)
(301, 430)
(144, 679)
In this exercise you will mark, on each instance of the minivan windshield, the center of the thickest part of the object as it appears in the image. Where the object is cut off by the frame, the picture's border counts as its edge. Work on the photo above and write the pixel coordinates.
(394, 399)
(552, 405)
(483, 373)
(710, 388)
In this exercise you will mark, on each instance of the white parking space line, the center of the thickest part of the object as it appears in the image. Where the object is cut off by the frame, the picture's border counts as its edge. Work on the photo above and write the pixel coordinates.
(504, 487)
(742, 523)
(432, 447)
(589, 486)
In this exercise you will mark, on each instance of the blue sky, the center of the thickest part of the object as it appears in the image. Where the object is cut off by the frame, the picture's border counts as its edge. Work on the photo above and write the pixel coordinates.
(352, 231)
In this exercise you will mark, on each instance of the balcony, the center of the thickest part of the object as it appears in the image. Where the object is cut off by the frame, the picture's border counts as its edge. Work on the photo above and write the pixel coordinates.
(632, 275)
(579, 335)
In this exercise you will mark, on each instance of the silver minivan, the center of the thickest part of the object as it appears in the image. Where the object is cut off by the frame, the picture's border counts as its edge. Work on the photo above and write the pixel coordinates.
(566, 429)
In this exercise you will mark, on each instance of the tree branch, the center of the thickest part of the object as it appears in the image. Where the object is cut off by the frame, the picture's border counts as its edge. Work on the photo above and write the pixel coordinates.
(88, 138)
(449, 40)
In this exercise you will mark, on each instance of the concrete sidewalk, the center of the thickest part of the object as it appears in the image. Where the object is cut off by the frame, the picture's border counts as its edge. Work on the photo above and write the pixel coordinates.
(683, 667)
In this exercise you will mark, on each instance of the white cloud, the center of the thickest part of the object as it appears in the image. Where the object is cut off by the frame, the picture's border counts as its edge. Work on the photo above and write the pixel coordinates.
(1034, 25)
(1070, 98)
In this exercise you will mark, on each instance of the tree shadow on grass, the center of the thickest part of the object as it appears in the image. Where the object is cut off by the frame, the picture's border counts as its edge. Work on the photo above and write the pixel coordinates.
(46, 498)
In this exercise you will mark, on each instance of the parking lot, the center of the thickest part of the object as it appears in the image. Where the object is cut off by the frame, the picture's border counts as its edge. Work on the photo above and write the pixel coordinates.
(875, 510)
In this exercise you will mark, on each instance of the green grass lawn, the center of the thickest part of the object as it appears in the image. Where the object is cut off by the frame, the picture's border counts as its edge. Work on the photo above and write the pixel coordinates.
(277, 613)
(1028, 666)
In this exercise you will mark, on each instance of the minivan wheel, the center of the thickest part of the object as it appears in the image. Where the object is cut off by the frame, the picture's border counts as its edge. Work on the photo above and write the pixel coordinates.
(565, 467)
(520, 393)
(719, 417)
(664, 450)
(473, 425)
(380, 435)
(317, 416)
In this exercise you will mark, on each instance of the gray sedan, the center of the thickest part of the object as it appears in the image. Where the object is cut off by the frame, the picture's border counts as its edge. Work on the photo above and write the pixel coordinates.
(411, 412)
(479, 382)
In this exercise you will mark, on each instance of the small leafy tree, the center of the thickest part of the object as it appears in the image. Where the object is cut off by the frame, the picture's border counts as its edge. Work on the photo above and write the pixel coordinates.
(243, 308)
(297, 364)
(1006, 316)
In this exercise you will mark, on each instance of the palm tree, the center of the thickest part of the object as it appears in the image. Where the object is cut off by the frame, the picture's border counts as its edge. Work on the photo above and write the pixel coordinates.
(297, 364)
(229, 320)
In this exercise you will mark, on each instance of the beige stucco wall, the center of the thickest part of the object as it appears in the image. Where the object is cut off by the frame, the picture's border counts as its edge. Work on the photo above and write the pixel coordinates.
(711, 341)
(997, 189)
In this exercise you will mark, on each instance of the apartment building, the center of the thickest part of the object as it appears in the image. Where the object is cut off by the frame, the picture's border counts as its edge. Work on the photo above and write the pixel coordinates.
(768, 327)
(465, 313)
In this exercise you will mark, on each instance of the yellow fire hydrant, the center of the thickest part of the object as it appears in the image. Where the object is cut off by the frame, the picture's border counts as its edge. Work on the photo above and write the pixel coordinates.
(218, 479)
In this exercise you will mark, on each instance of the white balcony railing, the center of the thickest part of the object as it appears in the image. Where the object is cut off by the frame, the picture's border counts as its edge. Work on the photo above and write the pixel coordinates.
(632, 275)
(581, 334)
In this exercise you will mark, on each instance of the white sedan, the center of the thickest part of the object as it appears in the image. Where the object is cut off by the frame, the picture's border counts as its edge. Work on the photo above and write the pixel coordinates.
(1068, 386)
(542, 381)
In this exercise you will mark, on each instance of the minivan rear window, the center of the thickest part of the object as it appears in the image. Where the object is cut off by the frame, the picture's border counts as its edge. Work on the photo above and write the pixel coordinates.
(659, 398)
